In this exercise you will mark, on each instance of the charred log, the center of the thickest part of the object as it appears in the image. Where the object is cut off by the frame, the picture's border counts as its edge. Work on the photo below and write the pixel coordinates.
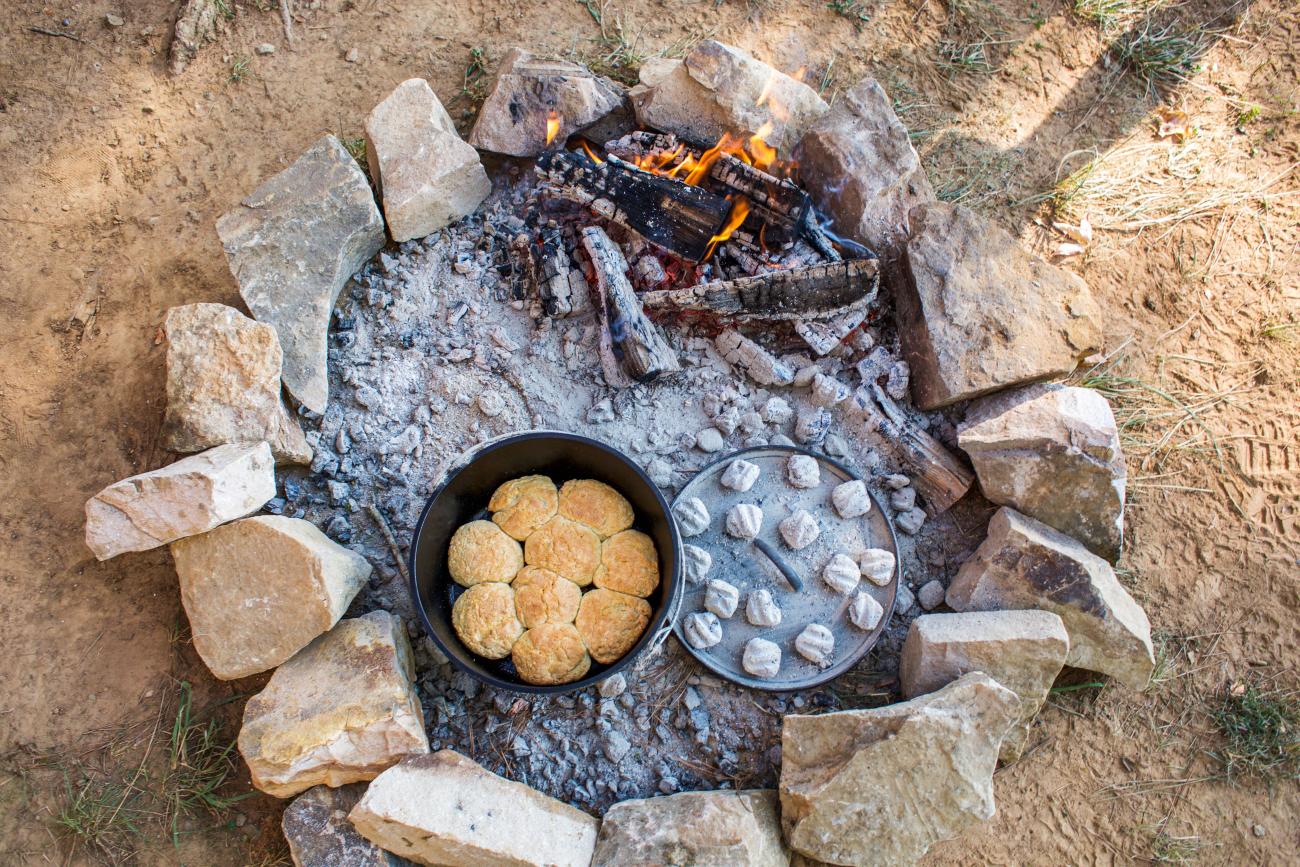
(815, 292)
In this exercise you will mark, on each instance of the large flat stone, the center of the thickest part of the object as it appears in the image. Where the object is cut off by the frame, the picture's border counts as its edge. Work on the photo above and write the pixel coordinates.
(881, 786)
(427, 175)
(977, 313)
(1022, 650)
(341, 710)
(1024, 563)
(1052, 452)
(319, 834)
(182, 499)
(292, 245)
(526, 91)
(707, 829)
(258, 590)
(717, 89)
(445, 809)
(223, 384)
(858, 163)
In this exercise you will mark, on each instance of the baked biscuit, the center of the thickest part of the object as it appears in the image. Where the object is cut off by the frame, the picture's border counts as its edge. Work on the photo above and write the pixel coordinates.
(484, 618)
(597, 505)
(479, 552)
(629, 564)
(522, 505)
(611, 622)
(550, 654)
(543, 597)
(566, 547)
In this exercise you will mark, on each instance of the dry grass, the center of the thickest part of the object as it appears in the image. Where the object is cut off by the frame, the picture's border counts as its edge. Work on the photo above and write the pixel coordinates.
(1260, 726)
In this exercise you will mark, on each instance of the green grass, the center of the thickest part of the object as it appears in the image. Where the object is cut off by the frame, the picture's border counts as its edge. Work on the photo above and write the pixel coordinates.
(226, 9)
(1114, 15)
(200, 762)
(239, 69)
(102, 816)
(1168, 849)
(356, 148)
(852, 10)
(1261, 731)
(1161, 56)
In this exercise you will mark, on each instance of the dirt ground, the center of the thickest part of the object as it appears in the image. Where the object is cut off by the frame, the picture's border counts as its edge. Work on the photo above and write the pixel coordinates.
(112, 173)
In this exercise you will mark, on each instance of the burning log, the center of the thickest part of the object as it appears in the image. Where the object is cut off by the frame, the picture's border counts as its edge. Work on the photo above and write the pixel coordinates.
(942, 477)
(561, 287)
(635, 342)
(817, 291)
(675, 216)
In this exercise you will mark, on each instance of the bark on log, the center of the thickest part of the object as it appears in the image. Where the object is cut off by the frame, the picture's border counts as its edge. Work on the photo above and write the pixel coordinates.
(823, 335)
(942, 477)
(637, 344)
(816, 292)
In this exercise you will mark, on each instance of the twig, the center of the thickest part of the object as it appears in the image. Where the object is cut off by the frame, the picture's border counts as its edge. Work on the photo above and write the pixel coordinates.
(287, 21)
(45, 32)
(390, 539)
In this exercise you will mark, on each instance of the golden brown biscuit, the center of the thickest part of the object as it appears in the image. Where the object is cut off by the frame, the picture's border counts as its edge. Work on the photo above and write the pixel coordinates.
(611, 622)
(597, 505)
(565, 547)
(543, 597)
(628, 564)
(522, 505)
(479, 552)
(484, 618)
(552, 653)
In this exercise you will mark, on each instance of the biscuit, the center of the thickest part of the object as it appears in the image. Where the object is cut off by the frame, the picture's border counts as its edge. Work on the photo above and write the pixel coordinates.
(565, 547)
(484, 618)
(629, 564)
(522, 505)
(597, 505)
(543, 597)
(479, 552)
(611, 622)
(550, 654)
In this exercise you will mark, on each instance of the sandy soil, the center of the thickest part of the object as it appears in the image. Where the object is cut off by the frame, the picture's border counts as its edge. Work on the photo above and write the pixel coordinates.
(112, 174)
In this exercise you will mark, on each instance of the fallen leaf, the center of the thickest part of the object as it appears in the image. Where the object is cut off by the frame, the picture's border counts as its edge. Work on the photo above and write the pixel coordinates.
(1081, 233)
(1174, 122)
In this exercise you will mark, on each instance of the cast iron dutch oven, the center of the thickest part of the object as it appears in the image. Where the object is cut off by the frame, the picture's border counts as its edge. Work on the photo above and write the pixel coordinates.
(463, 497)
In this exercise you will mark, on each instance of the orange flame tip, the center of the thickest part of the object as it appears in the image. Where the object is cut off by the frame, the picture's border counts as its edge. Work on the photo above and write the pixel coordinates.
(552, 126)
(739, 211)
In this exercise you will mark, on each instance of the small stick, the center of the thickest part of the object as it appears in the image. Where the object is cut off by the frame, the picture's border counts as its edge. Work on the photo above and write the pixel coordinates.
(44, 32)
(378, 517)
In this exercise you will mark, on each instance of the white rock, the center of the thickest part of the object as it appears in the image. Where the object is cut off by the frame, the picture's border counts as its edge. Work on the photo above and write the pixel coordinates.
(702, 629)
(445, 809)
(761, 658)
(760, 610)
(865, 612)
(709, 440)
(910, 522)
(751, 423)
(721, 598)
(692, 516)
(816, 644)
(696, 563)
(727, 421)
(903, 500)
(740, 475)
(851, 499)
(931, 595)
(842, 574)
(183, 499)
(800, 530)
(803, 471)
(877, 566)
(744, 521)
(694, 828)
(897, 481)
(777, 411)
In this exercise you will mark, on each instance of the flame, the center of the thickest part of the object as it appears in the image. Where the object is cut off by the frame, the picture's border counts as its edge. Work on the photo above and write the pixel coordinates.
(766, 92)
(586, 147)
(739, 211)
(764, 155)
(552, 126)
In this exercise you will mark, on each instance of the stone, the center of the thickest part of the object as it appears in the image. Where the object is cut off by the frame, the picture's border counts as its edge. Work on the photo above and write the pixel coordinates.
(1052, 452)
(931, 594)
(841, 573)
(445, 809)
(259, 590)
(762, 658)
(692, 516)
(1024, 563)
(292, 245)
(865, 612)
(911, 521)
(904, 599)
(223, 384)
(761, 610)
(851, 499)
(427, 176)
(721, 598)
(114, 20)
(265, 48)
(1022, 650)
(702, 629)
(897, 481)
(881, 786)
(877, 565)
(186, 498)
(740, 475)
(709, 829)
(777, 411)
(696, 563)
(319, 834)
(612, 686)
(799, 530)
(803, 471)
(816, 644)
(340, 711)
(858, 164)
(709, 440)
(903, 500)
(527, 90)
(976, 313)
(744, 520)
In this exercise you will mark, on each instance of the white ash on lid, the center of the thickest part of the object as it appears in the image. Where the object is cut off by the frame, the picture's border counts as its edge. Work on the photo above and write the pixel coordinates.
(744, 521)
(816, 644)
(877, 565)
(800, 530)
(696, 563)
(803, 471)
(851, 499)
(761, 610)
(842, 574)
(762, 658)
(740, 475)
(692, 516)
(865, 612)
(721, 598)
(702, 629)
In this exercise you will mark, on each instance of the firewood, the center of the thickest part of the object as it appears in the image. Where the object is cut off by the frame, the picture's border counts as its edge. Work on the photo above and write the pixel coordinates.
(824, 335)
(818, 291)
(747, 356)
(637, 344)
